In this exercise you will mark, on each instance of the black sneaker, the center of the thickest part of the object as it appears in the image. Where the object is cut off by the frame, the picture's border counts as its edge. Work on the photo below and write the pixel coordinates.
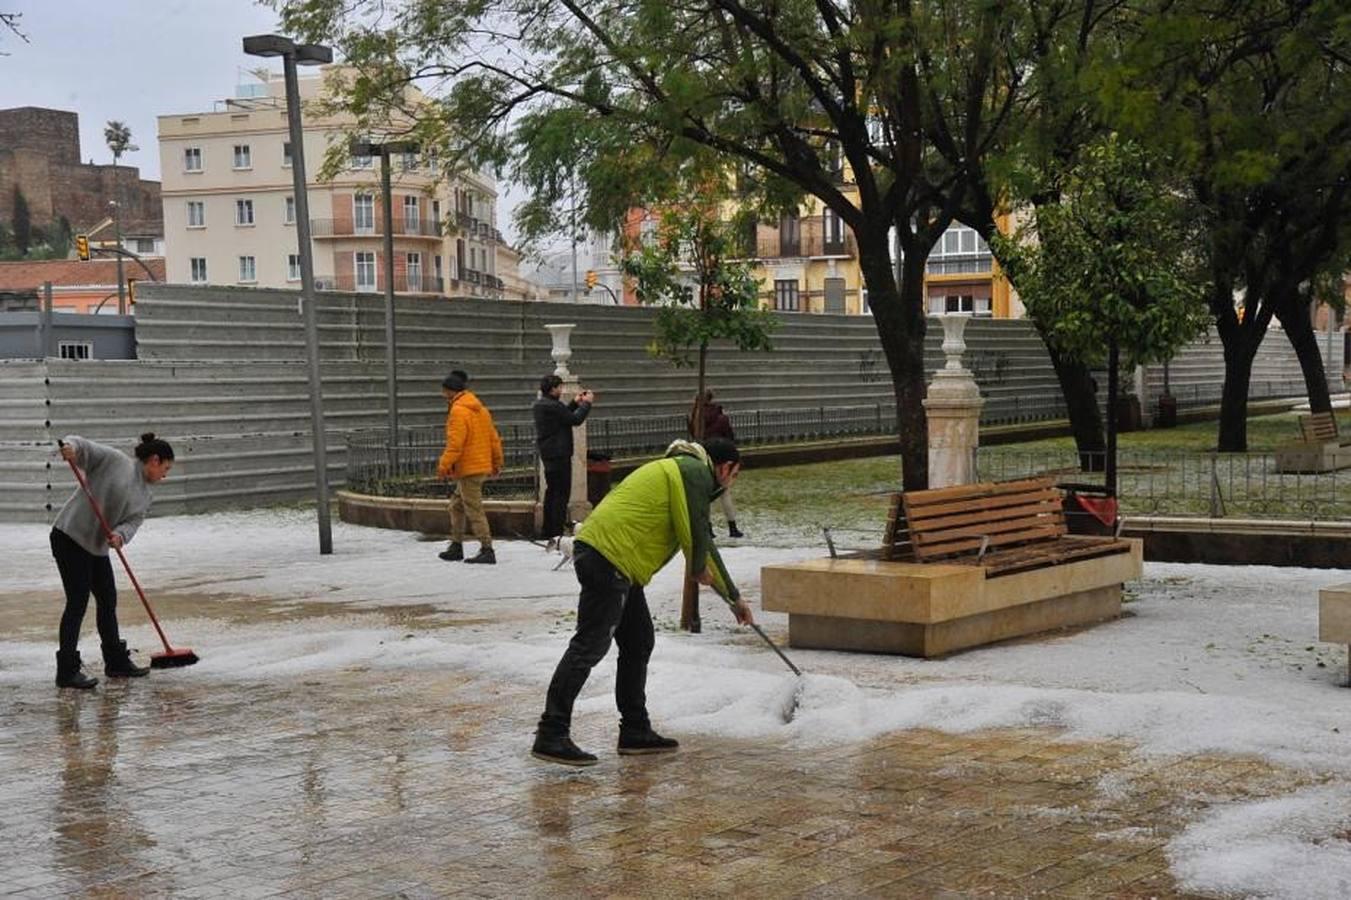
(635, 743)
(561, 750)
(453, 553)
(485, 555)
(734, 532)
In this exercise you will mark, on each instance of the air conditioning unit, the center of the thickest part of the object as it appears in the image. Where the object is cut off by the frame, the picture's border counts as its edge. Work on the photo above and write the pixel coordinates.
(323, 284)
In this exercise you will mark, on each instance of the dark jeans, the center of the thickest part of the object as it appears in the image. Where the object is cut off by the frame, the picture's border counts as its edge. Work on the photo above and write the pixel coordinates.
(609, 607)
(82, 572)
(557, 489)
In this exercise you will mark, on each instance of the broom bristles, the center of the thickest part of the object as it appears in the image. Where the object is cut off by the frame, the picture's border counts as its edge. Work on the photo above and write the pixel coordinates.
(175, 659)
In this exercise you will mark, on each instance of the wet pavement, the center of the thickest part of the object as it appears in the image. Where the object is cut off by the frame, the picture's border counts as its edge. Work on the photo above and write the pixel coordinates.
(415, 782)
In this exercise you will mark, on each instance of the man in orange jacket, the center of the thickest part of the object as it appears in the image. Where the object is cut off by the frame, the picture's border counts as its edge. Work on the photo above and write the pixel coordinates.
(473, 452)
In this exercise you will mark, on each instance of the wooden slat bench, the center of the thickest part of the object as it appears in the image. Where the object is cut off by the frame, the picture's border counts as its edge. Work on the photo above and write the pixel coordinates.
(1003, 527)
(960, 567)
(1319, 449)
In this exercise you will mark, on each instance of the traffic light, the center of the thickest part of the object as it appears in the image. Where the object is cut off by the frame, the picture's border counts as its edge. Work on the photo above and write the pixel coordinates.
(591, 278)
(131, 291)
(82, 246)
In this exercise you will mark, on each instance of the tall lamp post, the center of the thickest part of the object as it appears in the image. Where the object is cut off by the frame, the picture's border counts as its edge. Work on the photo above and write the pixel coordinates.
(294, 54)
(384, 150)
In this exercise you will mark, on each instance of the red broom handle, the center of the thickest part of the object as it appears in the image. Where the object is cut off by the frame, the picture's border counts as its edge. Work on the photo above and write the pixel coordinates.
(108, 535)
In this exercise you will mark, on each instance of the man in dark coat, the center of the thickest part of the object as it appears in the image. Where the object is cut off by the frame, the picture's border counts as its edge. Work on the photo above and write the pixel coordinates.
(554, 422)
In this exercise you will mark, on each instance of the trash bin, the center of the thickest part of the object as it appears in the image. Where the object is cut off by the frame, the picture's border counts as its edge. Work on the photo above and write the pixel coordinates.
(1167, 417)
(597, 476)
(1088, 509)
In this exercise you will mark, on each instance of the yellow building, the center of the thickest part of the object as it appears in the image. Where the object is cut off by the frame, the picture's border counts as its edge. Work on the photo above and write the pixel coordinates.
(229, 213)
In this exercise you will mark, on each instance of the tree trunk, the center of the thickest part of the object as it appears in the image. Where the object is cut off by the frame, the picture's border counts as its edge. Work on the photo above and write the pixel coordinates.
(1295, 318)
(899, 314)
(1233, 436)
(1080, 390)
(689, 597)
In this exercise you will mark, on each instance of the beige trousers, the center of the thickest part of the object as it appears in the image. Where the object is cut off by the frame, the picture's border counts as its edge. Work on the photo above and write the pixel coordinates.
(467, 503)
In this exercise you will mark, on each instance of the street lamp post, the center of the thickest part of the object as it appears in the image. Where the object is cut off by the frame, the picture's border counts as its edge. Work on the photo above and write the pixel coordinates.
(117, 226)
(384, 150)
(304, 54)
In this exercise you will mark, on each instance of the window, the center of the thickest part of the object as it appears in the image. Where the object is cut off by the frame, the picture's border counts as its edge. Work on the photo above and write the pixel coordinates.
(785, 295)
(243, 158)
(75, 349)
(293, 267)
(436, 215)
(365, 270)
(196, 214)
(414, 261)
(408, 161)
(144, 246)
(959, 303)
(248, 271)
(833, 226)
(289, 215)
(960, 251)
(198, 267)
(243, 212)
(286, 155)
(192, 159)
(436, 261)
(790, 235)
(363, 213)
(362, 161)
(411, 214)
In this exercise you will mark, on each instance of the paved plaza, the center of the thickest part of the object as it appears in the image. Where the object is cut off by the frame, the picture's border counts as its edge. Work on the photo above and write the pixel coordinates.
(367, 736)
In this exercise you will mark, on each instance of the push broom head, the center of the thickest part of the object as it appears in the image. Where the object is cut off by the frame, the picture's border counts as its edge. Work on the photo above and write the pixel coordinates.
(174, 659)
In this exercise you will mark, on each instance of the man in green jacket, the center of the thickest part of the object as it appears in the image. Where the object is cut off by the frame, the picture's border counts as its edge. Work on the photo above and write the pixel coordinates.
(660, 508)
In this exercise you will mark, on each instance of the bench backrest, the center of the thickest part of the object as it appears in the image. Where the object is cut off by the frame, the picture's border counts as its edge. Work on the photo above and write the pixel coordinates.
(1318, 428)
(959, 521)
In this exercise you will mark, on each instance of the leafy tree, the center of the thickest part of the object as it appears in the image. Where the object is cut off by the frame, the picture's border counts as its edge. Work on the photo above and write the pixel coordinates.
(1108, 267)
(22, 223)
(703, 294)
(1253, 101)
(783, 91)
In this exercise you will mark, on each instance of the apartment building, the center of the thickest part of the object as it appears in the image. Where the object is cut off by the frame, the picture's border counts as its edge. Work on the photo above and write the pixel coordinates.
(807, 262)
(229, 207)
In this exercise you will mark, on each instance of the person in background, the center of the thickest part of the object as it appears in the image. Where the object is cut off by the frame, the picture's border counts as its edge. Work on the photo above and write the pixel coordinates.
(121, 485)
(473, 453)
(554, 422)
(660, 508)
(716, 425)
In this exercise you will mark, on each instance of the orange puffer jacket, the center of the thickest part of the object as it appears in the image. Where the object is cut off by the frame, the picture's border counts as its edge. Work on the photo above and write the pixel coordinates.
(473, 446)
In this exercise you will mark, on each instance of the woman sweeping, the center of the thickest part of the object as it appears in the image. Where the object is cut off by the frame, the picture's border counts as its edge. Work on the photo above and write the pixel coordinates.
(121, 486)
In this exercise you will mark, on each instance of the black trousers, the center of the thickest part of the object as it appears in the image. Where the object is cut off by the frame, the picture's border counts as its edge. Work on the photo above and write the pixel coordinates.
(557, 489)
(81, 573)
(609, 608)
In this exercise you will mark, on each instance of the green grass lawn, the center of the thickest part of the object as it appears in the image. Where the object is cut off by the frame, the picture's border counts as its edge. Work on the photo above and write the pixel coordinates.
(789, 504)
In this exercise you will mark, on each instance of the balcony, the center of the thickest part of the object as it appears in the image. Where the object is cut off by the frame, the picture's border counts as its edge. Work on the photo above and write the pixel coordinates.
(812, 237)
(403, 284)
(343, 228)
(474, 228)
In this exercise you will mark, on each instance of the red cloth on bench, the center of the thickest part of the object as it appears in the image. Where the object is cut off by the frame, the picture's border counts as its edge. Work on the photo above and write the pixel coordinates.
(1103, 508)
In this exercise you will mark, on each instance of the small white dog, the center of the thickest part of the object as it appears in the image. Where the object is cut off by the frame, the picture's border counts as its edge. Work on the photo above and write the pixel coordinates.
(564, 546)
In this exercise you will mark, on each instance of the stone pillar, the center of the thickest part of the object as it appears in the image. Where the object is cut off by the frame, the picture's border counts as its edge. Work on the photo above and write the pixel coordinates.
(952, 408)
(578, 507)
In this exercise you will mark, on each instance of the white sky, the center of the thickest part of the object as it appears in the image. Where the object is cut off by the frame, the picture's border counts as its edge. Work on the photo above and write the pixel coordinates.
(133, 60)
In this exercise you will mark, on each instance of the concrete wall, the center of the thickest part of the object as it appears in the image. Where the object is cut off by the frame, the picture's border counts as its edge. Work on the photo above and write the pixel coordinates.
(221, 375)
(24, 335)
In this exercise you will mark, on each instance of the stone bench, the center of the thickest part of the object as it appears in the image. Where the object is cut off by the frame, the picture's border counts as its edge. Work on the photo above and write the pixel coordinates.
(1319, 449)
(960, 567)
(1334, 619)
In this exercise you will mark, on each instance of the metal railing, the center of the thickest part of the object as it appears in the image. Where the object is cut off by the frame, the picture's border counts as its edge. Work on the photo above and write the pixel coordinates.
(1186, 483)
(408, 467)
(325, 228)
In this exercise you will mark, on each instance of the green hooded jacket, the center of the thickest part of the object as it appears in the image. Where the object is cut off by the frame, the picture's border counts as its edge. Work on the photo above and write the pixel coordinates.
(661, 507)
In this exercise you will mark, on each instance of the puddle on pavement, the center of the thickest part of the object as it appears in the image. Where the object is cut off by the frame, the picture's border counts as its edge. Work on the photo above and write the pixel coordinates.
(33, 614)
